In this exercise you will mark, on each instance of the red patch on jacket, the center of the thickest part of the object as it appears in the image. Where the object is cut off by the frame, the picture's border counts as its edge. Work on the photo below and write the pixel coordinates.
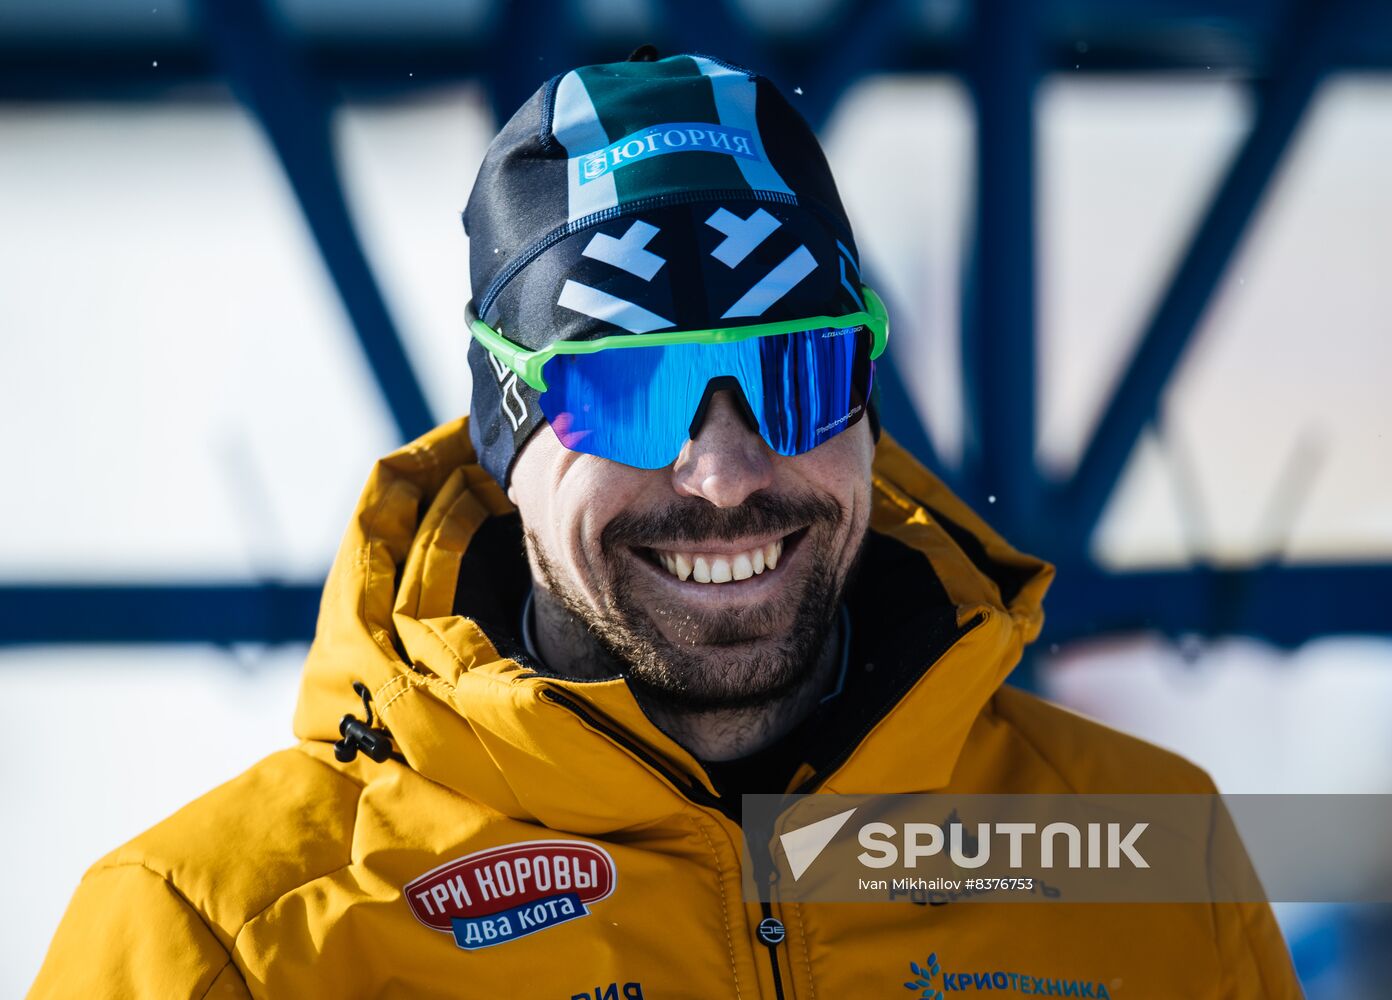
(501, 878)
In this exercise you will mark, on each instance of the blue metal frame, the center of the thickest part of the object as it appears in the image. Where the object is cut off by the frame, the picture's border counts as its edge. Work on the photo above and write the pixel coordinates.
(1283, 605)
(1001, 48)
(999, 296)
(1280, 604)
(217, 612)
(1304, 58)
(267, 75)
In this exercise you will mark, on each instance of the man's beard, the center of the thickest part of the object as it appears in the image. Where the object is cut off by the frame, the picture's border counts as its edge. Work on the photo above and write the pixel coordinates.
(722, 659)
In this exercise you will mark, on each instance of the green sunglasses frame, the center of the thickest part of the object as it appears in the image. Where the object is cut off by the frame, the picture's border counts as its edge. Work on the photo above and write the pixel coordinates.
(528, 363)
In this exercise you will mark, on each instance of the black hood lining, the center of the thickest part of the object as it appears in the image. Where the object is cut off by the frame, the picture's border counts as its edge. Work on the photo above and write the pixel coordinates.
(1008, 577)
(494, 578)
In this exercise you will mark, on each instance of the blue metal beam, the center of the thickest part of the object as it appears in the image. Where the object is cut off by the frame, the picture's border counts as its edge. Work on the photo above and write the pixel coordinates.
(534, 40)
(998, 324)
(867, 36)
(159, 612)
(426, 45)
(266, 74)
(1281, 604)
(1300, 63)
(864, 36)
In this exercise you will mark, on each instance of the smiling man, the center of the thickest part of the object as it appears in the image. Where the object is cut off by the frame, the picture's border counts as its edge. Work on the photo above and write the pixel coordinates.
(712, 584)
(669, 559)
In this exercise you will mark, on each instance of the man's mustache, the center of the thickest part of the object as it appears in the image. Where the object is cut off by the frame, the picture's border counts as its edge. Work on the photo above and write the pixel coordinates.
(691, 519)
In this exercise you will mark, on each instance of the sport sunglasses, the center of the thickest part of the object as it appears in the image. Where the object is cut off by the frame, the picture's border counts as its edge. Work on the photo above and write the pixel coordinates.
(638, 398)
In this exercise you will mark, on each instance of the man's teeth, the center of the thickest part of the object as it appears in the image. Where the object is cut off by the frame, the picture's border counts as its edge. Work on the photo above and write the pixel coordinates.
(722, 569)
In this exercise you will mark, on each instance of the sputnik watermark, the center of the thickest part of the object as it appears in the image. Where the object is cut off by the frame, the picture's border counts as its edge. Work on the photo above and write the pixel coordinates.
(940, 848)
(885, 845)
(925, 840)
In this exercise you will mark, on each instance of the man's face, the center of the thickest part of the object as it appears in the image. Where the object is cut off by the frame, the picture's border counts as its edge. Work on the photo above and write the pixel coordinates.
(777, 537)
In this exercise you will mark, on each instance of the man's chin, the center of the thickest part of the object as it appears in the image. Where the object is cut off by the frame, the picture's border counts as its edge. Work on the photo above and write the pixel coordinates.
(699, 648)
(718, 636)
(714, 679)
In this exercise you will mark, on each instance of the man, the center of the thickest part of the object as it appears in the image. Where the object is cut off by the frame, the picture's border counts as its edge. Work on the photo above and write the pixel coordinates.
(667, 561)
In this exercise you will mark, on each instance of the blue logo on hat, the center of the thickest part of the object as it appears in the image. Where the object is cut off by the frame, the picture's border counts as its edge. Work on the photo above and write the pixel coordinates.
(674, 137)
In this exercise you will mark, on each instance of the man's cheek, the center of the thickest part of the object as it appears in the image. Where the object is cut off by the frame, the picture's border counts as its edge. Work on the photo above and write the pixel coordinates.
(607, 571)
(597, 581)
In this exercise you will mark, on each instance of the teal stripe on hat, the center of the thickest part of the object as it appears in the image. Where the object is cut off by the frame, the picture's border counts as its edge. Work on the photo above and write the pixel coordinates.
(735, 97)
(666, 111)
(577, 127)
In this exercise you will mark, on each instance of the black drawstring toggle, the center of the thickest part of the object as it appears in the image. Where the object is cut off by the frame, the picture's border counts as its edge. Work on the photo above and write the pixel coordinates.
(359, 735)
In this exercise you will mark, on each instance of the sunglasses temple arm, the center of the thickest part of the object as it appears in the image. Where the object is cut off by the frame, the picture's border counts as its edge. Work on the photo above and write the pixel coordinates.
(527, 364)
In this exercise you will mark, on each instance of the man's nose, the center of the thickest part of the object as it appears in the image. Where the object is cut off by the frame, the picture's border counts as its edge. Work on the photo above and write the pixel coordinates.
(725, 461)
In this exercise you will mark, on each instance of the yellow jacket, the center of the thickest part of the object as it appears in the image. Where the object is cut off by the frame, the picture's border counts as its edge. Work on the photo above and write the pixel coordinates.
(306, 877)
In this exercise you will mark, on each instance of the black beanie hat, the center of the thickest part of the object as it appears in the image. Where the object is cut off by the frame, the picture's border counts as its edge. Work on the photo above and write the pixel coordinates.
(646, 195)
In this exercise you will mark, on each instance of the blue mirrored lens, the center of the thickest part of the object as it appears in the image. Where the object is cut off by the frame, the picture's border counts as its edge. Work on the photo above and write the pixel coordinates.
(813, 385)
(637, 405)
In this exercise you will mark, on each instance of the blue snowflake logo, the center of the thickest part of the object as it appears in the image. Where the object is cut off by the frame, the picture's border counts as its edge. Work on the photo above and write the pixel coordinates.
(926, 973)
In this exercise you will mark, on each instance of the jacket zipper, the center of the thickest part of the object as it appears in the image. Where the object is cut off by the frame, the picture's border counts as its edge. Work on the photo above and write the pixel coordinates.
(945, 641)
(767, 876)
(773, 952)
(697, 792)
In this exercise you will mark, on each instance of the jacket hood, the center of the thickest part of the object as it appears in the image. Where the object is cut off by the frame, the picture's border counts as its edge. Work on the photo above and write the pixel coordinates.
(421, 607)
